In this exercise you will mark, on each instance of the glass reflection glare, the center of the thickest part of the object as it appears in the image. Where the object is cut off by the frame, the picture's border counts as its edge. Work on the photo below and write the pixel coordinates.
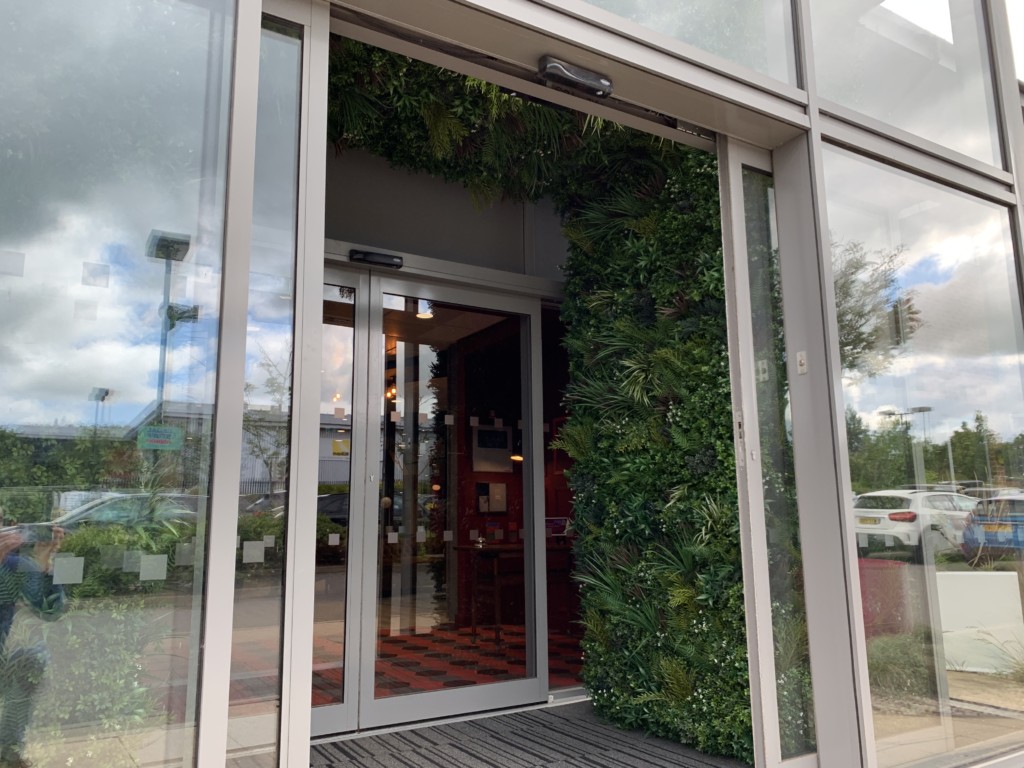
(931, 346)
(112, 182)
(754, 33)
(923, 67)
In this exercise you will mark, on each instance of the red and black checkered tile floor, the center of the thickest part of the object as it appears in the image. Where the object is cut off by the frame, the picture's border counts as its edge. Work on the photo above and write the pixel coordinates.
(451, 657)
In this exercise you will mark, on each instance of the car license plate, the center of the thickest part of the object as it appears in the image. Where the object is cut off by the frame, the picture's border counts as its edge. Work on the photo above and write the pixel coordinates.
(867, 521)
(996, 527)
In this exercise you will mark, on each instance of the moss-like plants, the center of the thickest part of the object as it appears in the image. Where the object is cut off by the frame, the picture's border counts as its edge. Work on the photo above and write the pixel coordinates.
(649, 422)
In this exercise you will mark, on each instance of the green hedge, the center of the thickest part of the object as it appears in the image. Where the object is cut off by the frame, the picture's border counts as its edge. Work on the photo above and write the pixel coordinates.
(649, 399)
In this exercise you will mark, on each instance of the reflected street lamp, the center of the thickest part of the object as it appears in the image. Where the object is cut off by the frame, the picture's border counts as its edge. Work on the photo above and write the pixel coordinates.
(917, 450)
(170, 247)
(98, 395)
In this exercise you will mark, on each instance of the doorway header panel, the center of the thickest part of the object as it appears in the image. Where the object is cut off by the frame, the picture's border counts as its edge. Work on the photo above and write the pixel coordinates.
(336, 252)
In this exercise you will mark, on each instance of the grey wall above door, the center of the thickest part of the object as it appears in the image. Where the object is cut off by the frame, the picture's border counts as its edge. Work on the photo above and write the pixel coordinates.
(373, 204)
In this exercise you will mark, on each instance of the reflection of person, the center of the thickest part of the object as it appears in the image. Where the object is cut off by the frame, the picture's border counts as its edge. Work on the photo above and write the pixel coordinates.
(25, 577)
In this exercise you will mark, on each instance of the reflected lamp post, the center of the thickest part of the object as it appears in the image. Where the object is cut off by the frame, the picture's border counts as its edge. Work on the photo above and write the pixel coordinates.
(170, 247)
(916, 449)
(98, 395)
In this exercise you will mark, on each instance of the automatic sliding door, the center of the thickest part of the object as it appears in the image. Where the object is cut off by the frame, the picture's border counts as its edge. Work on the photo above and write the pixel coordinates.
(451, 615)
(426, 506)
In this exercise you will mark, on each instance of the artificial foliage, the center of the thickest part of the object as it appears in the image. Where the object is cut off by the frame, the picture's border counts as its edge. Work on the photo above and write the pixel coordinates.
(649, 428)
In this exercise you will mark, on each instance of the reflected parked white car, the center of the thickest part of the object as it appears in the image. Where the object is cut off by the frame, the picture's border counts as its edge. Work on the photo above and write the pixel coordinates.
(906, 517)
(134, 510)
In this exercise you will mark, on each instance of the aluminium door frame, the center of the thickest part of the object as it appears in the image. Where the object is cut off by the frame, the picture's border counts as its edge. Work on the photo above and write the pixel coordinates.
(359, 710)
(214, 715)
(394, 710)
(225, 470)
(732, 157)
(297, 646)
(343, 717)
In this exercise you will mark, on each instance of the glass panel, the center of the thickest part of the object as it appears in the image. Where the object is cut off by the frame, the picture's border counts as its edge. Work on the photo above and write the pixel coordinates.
(565, 631)
(334, 478)
(920, 66)
(451, 589)
(112, 180)
(755, 33)
(931, 343)
(266, 421)
(789, 614)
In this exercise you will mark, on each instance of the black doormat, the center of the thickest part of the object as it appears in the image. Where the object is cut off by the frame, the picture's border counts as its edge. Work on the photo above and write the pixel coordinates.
(568, 736)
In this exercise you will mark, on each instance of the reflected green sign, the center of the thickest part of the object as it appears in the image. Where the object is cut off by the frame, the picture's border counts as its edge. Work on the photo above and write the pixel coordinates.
(160, 438)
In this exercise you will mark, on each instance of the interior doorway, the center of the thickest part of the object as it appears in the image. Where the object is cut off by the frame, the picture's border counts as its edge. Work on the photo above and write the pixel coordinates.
(431, 501)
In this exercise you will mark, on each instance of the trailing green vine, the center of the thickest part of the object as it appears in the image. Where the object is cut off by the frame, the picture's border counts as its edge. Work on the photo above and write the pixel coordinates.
(649, 424)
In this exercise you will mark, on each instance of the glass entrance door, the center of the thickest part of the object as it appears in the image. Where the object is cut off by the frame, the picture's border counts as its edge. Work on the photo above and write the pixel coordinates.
(426, 577)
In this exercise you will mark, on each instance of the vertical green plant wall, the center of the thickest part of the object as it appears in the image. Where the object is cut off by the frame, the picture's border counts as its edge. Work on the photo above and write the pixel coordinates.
(649, 400)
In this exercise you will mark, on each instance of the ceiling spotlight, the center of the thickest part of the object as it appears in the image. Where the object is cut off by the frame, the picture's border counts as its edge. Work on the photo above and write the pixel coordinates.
(424, 310)
(559, 72)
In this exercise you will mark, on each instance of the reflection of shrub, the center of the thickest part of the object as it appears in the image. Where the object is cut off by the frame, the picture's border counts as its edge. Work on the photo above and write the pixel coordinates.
(257, 526)
(104, 572)
(1011, 651)
(26, 506)
(330, 553)
(102, 649)
(902, 665)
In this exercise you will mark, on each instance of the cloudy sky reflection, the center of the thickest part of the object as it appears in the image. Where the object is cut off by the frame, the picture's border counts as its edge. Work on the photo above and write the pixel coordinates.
(957, 260)
(102, 142)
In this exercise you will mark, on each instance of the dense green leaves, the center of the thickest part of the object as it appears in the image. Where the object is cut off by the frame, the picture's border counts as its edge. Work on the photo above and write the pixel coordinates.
(649, 401)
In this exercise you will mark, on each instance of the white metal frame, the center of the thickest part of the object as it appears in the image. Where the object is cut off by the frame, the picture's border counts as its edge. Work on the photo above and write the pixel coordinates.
(732, 157)
(360, 710)
(792, 122)
(313, 15)
(214, 684)
(441, 59)
(374, 712)
(297, 646)
(336, 718)
(511, 35)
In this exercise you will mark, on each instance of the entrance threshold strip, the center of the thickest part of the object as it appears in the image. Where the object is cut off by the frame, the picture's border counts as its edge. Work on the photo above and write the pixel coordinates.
(555, 699)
